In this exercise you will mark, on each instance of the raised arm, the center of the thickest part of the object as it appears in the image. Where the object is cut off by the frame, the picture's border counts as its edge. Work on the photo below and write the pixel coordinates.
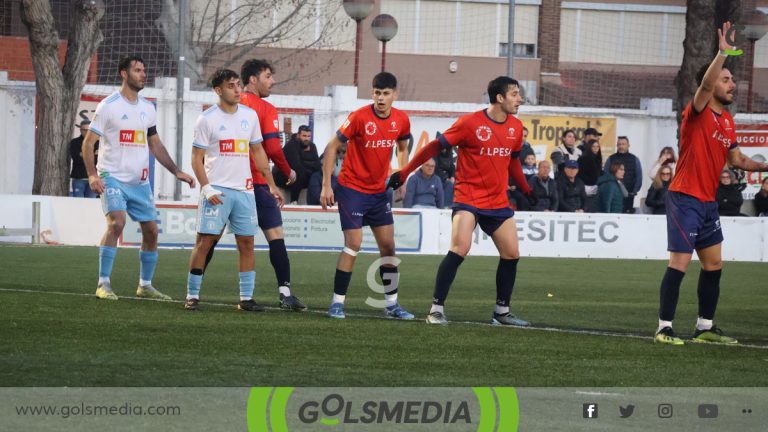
(707, 88)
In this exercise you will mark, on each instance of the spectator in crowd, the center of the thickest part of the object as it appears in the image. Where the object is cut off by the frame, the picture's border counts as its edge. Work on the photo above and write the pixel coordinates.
(590, 134)
(301, 154)
(544, 189)
(424, 189)
(657, 193)
(529, 166)
(526, 149)
(571, 194)
(446, 170)
(633, 172)
(761, 199)
(565, 151)
(729, 199)
(78, 174)
(666, 158)
(590, 169)
(611, 191)
(316, 181)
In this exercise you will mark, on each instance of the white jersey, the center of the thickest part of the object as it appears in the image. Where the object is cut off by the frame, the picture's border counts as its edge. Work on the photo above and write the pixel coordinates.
(226, 138)
(122, 128)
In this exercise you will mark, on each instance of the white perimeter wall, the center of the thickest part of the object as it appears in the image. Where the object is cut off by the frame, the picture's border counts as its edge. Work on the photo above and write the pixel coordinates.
(79, 221)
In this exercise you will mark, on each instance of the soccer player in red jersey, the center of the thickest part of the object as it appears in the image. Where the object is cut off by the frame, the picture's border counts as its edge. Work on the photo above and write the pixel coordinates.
(258, 81)
(707, 143)
(371, 133)
(489, 143)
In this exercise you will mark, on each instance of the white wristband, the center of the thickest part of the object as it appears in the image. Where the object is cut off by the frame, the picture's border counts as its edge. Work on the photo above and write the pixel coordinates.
(209, 192)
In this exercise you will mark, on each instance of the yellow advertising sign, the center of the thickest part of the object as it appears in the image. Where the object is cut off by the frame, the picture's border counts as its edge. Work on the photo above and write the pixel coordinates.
(544, 132)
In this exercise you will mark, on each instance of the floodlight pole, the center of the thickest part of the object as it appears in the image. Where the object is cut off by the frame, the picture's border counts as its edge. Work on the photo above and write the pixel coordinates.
(180, 100)
(510, 38)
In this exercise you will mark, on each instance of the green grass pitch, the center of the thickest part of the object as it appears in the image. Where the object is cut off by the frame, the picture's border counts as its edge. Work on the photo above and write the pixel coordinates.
(51, 338)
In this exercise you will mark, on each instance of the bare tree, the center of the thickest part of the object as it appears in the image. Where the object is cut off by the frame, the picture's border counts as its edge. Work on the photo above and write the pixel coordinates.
(222, 32)
(58, 89)
(702, 19)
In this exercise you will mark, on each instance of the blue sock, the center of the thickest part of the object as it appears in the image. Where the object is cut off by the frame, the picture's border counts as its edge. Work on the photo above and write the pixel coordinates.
(106, 260)
(148, 264)
(193, 285)
(247, 281)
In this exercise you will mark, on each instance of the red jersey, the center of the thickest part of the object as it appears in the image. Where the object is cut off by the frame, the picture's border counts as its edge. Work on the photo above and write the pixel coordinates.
(486, 149)
(370, 141)
(705, 139)
(271, 133)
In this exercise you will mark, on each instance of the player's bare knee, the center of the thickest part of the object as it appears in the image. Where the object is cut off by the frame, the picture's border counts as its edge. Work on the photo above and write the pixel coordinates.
(460, 249)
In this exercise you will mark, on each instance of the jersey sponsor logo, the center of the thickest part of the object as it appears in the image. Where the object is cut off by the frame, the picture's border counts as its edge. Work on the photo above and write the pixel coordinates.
(380, 144)
(483, 133)
(143, 116)
(274, 123)
(511, 132)
(726, 142)
(248, 184)
(211, 212)
(132, 138)
(370, 128)
(144, 174)
(496, 151)
(244, 125)
(233, 147)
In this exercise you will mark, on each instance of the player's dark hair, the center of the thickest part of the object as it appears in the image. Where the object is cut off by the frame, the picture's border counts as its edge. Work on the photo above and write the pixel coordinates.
(384, 80)
(254, 67)
(125, 62)
(304, 128)
(567, 131)
(615, 165)
(499, 87)
(221, 76)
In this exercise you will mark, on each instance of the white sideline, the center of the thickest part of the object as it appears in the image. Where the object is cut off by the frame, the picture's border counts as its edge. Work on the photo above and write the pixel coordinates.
(358, 315)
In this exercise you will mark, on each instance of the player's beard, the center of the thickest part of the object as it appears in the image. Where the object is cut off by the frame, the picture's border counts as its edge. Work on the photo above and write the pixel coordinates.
(135, 85)
(723, 101)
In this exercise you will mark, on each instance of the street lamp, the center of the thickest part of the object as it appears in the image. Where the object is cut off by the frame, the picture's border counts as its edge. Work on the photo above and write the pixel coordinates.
(358, 10)
(384, 28)
(755, 27)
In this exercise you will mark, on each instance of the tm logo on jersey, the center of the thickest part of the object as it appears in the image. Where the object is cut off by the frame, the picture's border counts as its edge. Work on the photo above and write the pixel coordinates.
(233, 147)
(134, 138)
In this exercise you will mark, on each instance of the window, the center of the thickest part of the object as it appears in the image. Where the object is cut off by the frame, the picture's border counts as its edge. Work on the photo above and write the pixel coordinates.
(519, 50)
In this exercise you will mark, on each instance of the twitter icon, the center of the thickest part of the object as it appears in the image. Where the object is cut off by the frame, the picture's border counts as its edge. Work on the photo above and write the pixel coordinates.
(626, 411)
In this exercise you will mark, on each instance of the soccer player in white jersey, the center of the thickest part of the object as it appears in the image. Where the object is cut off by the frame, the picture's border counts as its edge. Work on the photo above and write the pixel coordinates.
(224, 135)
(125, 124)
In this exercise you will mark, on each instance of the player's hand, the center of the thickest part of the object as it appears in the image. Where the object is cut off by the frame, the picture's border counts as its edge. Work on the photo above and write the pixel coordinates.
(326, 197)
(211, 194)
(532, 199)
(186, 178)
(291, 178)
(394, 181)
(278, 196)
(96, 183)
(722, 36)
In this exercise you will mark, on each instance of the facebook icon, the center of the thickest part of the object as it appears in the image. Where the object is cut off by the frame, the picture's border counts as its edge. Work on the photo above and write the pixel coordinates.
(590, 410)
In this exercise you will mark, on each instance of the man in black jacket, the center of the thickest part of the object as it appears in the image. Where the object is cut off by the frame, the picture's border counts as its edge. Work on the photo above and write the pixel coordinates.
(633, 171)
(301, 154)
(79, 176)
(572, 196)
(544, 189)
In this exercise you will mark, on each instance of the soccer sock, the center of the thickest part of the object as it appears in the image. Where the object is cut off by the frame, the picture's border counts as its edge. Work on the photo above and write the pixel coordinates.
(506, 273)
(436, 308)
(106, 260)
(662, 324)
(194, 280)
(703, 324)
(147, 268)
(446, 273)
(247, 282)
(390, 278)
(209, 257)
(278, 256)
(341, 285)
(669, 293)
(709, 293)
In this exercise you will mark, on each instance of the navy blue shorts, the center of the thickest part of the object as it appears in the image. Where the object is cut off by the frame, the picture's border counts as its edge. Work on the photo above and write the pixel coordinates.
(489, 220)
(267, 208)
(691, 223)
(357, 208)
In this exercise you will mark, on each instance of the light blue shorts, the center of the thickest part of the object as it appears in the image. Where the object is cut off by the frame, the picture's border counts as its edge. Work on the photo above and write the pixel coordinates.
(238, 211)
(136, 199)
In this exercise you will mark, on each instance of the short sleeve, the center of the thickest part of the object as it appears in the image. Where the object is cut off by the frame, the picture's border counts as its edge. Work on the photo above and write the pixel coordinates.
(455, 134)
(151, 115)
(202, 136)
(269, 125)
(349, 128)
(256, 132)
(100, 119)
(406, 132)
